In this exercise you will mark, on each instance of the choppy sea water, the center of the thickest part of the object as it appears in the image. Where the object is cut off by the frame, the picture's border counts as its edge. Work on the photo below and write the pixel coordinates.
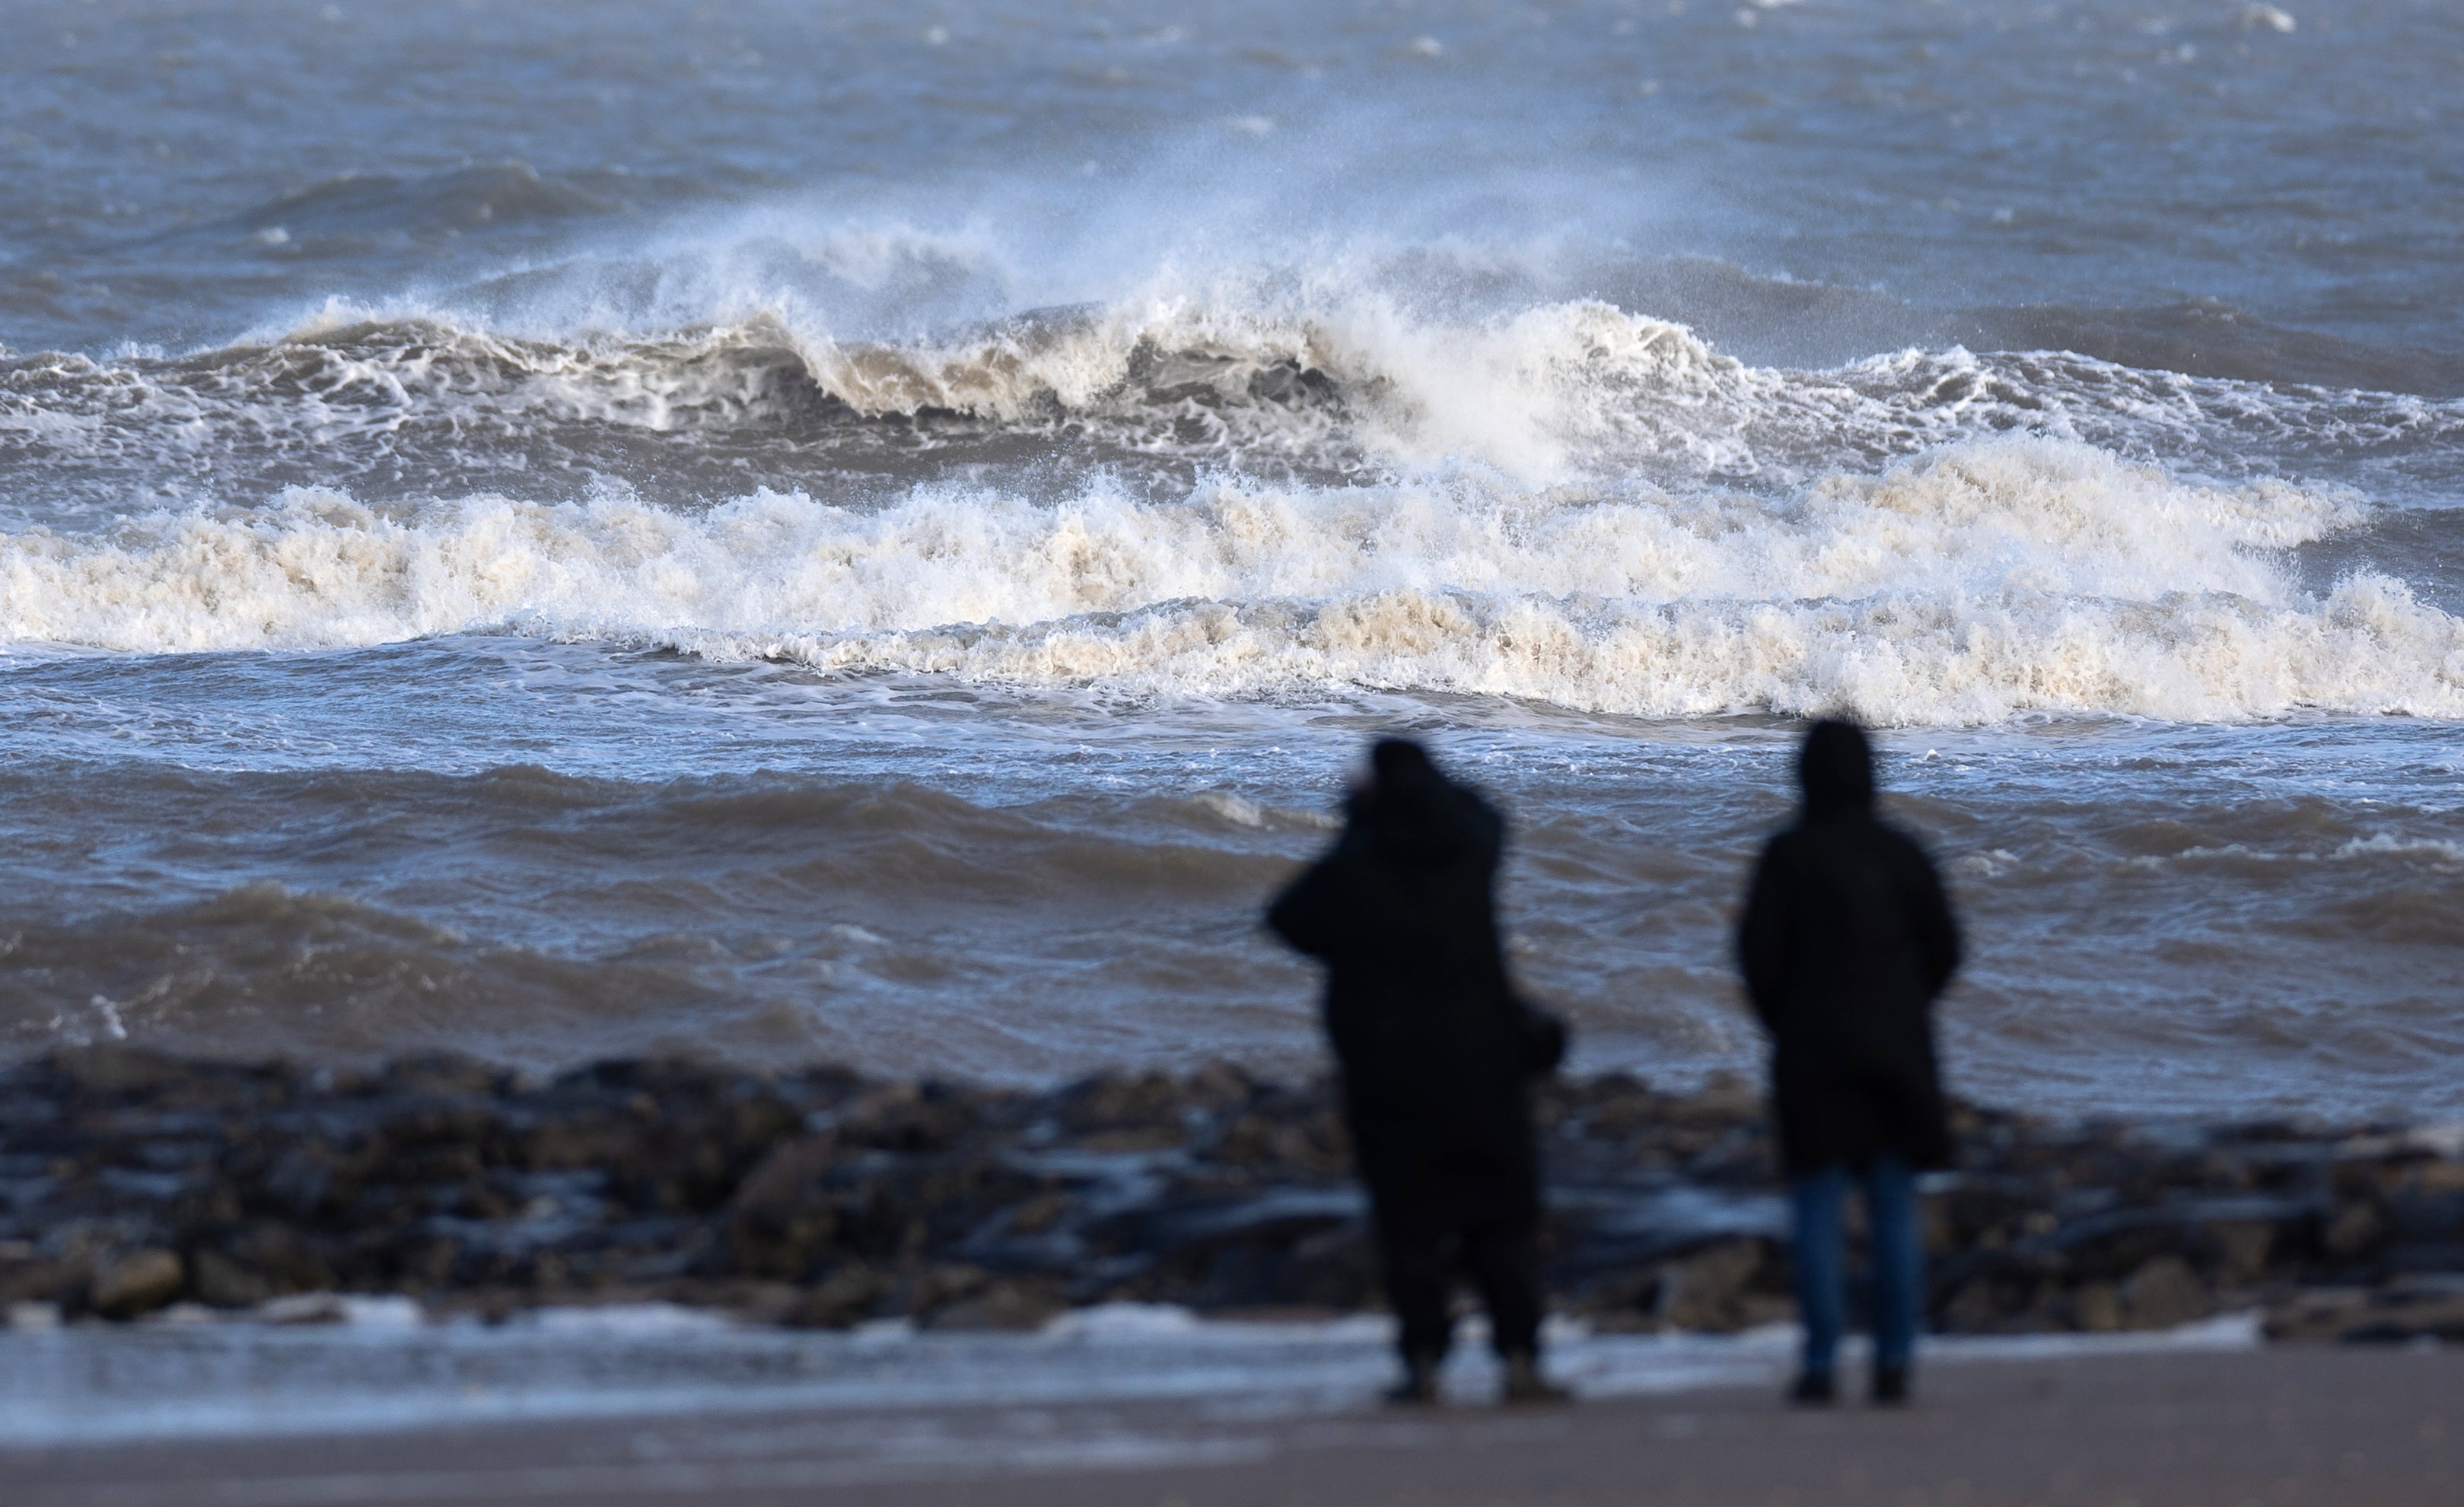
(876, 532)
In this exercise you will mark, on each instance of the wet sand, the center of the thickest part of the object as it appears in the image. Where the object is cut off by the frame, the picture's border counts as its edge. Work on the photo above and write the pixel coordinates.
(2283, 1426)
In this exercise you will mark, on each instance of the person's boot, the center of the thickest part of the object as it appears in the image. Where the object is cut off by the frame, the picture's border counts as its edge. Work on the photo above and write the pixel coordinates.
(1890, 1385)
(1419, 1387)
(1813, 1389)
(1525, 1382)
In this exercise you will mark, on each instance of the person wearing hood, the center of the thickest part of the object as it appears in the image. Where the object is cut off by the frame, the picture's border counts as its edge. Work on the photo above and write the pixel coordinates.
(1436, 1054)
(1845, 942)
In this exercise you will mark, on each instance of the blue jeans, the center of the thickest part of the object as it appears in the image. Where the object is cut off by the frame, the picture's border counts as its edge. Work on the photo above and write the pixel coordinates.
(1890, 1188)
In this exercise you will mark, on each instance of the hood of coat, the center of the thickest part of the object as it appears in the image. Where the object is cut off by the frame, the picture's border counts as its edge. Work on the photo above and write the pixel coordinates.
(1835, 768)
(1414, 815)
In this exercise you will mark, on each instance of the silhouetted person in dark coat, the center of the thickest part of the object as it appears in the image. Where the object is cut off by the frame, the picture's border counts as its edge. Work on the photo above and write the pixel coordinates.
(1436, 1054)
(1845, 942)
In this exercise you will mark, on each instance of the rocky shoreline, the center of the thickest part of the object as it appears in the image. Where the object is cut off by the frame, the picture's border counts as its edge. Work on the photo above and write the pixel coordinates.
(132, 1184)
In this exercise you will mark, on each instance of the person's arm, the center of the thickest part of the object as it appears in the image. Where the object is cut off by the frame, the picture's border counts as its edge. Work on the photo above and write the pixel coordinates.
(1929, 916)
(1488, 824)
(1763, 937)
(1315, 913)
(1299, 914)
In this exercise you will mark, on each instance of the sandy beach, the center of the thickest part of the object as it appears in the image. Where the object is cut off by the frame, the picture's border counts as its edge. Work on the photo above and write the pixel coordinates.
(2286, 1424)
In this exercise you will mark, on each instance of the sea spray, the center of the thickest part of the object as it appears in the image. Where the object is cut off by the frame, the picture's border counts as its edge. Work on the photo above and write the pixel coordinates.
(1349, 388)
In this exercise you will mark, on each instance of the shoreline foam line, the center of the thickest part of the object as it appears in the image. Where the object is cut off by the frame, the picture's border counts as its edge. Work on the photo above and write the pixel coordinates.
(384, 1371)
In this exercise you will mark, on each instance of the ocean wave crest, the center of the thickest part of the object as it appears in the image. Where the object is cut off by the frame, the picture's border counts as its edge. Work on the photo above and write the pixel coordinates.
(1567, 393)
(1981, 580)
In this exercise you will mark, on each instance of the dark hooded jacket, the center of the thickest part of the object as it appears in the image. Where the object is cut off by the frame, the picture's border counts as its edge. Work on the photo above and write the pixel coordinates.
(1435, 1049)
(1846, 940)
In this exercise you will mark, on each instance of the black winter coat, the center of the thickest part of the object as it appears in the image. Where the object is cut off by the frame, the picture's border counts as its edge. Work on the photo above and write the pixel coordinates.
(1846, 940)
(1434, 1047)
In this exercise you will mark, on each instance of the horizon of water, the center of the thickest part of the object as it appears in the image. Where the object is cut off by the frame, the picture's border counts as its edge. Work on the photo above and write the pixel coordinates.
(855, 533)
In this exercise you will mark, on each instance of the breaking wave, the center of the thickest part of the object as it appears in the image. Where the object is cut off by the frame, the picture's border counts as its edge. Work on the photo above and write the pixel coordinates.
(1354, 390)
(1983, 580)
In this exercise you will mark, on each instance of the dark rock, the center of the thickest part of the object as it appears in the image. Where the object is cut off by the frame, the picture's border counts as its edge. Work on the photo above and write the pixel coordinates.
(1716, 1287)
(819, 1198)
(286, 1259)
(559, 1145)
(36, 1279)
(840, 1300)
(2403, 1311)
(2094, 1306)
(1998, 1301)
(1312, 1146)
(1146, 1102)
(1624, 1301)
(1725, 1101)
(300, 1179)
(1039, 1213)
(2163, 1294)
(783, 1218)
(117, 1072)
(937, 1287)
(2245, 1247)
(1001, 1305)
(445, 1073)
(222, 1282)
(2318, 1313)
(138, 1283)
(2358, 1229)
(1219, 1087)
(906, 1118)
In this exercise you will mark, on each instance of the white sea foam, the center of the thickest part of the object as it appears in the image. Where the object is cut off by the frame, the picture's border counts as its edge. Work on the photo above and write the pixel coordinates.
(236, 1379)
(1565, 391)
(1542, 395)
(1232, 808)
(2435, 851)
(1335, 380)
(1984, 579)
